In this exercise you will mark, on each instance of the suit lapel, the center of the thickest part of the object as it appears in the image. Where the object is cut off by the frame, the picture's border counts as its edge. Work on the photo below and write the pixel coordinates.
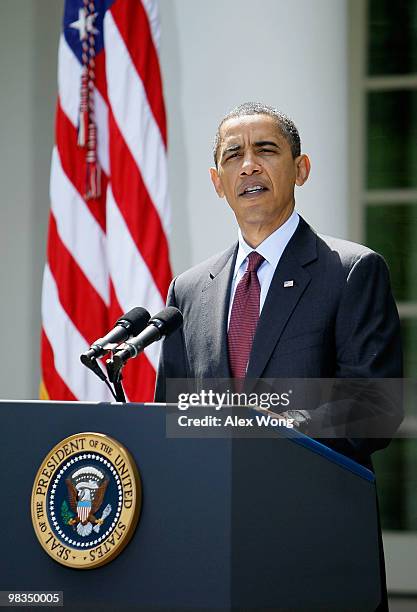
(282, 296)
(215, 299)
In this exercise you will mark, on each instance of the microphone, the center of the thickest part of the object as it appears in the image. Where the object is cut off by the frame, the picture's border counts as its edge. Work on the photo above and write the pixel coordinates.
(130, 324)
(162, 324)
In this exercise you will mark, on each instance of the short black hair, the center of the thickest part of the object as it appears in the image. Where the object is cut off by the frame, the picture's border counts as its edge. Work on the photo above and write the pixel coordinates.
(286, 125)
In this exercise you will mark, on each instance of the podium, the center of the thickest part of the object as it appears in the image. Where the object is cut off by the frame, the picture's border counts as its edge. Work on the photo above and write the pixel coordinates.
(279, 523)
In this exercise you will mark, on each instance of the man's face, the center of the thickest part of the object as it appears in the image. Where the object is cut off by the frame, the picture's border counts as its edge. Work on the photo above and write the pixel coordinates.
(256, 173)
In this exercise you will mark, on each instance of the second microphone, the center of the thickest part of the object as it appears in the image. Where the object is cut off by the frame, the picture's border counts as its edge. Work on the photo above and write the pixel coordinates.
(160, 325)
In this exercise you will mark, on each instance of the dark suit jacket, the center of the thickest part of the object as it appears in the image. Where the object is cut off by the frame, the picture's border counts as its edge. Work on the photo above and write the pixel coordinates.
(338, 320)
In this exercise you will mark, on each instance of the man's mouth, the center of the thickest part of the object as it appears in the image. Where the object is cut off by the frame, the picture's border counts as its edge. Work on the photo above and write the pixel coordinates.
(253, 190)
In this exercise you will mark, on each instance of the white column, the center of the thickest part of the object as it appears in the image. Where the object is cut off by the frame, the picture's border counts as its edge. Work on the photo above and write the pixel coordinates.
(29, 32)
(218, 54)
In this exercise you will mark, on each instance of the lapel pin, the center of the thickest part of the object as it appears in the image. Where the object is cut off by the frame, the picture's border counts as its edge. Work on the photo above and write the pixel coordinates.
(289, 283)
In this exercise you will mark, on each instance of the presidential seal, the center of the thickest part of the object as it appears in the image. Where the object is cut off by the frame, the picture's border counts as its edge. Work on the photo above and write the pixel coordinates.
(86, 500)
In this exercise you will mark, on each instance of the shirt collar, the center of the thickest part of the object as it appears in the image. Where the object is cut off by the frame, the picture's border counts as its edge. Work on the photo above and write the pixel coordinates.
(272, 247)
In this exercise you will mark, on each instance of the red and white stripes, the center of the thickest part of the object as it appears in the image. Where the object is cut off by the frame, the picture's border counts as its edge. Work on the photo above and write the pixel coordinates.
(110, 253)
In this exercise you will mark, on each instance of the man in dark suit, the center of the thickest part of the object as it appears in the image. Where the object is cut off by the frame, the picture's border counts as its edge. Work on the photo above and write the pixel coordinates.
(316, 306)
(325, 304)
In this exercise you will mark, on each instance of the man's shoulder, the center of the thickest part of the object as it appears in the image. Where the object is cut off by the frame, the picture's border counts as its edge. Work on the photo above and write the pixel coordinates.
(335, 254)
(336, 257)
(205, 270)
(348, 252)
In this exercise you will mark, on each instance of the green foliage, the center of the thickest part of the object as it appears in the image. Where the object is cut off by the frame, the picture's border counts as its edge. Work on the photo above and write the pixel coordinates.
(66, 513)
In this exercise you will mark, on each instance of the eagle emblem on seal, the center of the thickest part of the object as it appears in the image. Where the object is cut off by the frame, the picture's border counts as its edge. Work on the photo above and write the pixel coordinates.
(86, 490)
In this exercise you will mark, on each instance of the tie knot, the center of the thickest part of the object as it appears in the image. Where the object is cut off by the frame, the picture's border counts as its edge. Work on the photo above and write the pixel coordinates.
(254, 261)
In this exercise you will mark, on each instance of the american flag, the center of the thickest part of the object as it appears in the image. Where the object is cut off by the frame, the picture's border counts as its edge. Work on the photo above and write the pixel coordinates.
(110, 215)
(83, 510)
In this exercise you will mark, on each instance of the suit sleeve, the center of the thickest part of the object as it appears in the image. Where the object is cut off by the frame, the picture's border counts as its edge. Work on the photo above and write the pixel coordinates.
(368, 339)
(172, 360)
(368, 346)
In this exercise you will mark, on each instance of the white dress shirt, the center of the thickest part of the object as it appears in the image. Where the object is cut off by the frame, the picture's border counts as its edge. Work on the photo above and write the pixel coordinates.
(271, 250)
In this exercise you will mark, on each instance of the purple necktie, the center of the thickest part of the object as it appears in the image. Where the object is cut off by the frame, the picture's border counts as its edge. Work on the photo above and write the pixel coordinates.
(244, 317)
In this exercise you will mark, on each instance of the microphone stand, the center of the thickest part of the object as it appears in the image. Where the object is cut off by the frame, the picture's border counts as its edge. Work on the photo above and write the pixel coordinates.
(115, 376)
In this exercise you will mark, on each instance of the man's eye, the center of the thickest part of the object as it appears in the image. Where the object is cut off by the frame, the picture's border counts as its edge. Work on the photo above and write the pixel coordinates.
(266, 150)
(231, 156)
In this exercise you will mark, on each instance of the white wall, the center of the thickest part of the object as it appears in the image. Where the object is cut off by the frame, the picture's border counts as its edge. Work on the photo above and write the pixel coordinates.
(29, 31)
(215, 54)
(220, 53)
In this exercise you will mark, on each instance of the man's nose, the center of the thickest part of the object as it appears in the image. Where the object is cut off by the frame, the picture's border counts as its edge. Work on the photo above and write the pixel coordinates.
(250, 165)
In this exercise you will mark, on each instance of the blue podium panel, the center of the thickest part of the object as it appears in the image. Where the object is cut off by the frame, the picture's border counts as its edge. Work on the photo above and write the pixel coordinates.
(315, 514)
(180, 553)
(279, 523)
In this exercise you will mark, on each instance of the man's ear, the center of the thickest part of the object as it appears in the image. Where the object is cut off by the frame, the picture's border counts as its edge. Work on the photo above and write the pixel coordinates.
(215, 179)
(303, 167)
